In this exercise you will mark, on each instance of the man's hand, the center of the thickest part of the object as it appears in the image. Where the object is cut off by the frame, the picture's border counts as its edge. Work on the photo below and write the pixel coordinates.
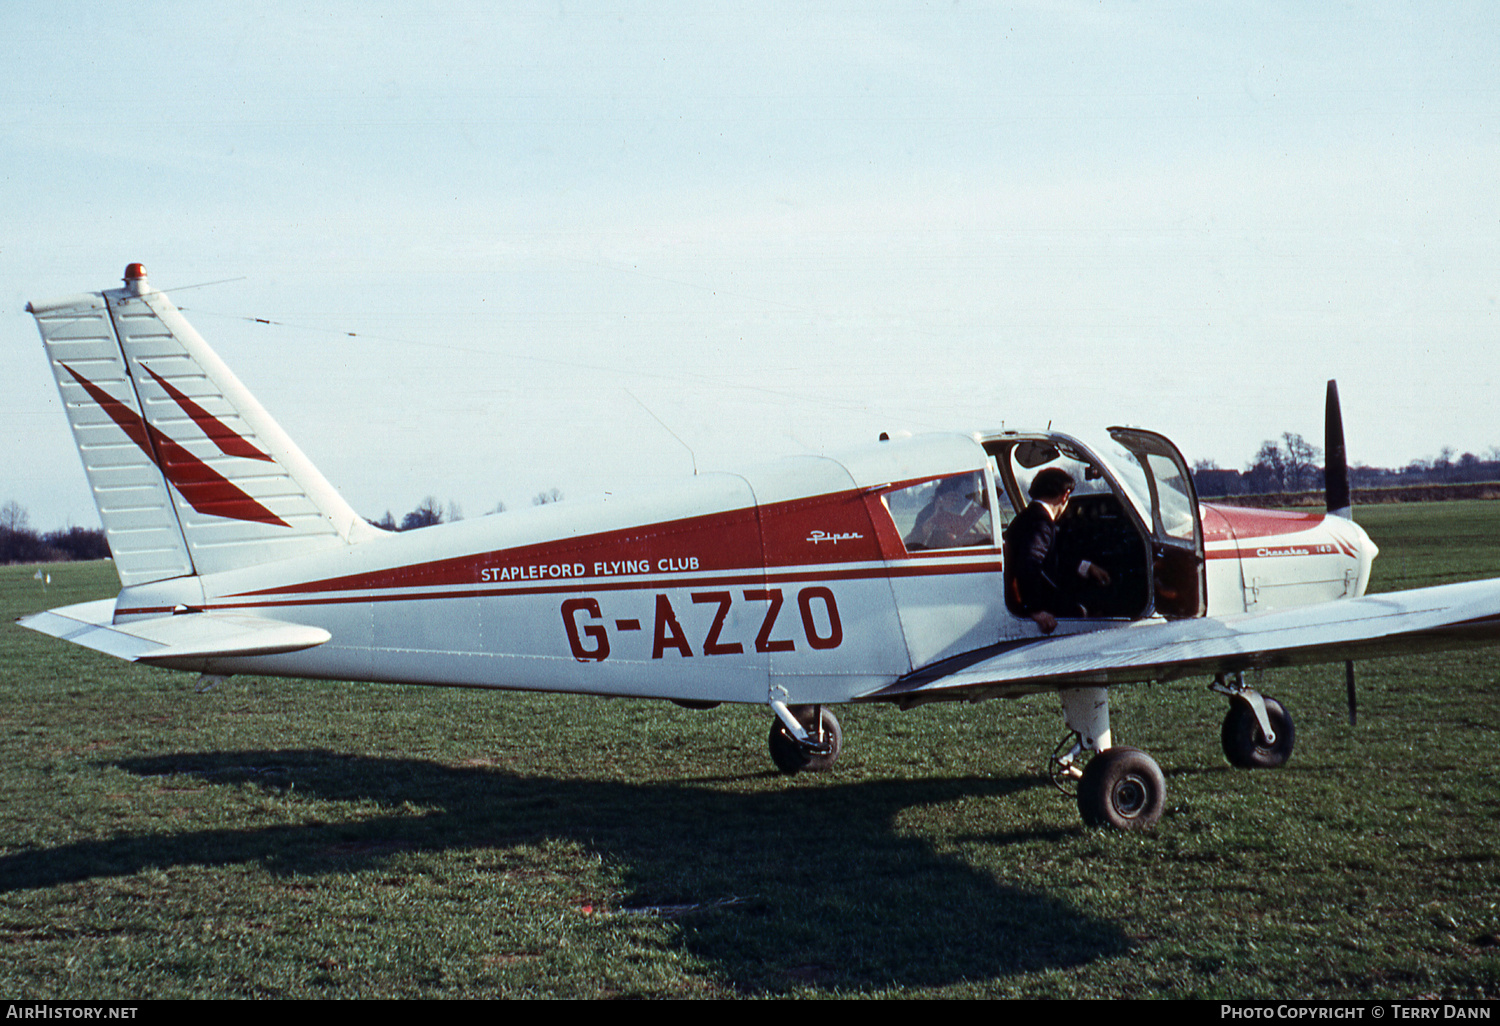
(1098, 575)
(1046, 621)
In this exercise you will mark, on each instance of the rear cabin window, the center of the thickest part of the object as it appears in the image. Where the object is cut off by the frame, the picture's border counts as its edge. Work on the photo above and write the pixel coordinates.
(945, 513)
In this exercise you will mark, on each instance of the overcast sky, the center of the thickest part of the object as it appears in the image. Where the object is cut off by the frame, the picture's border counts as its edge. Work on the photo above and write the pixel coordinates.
(510, 247)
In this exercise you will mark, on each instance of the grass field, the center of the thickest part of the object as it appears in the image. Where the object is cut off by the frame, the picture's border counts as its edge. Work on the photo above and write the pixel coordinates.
(288, 839)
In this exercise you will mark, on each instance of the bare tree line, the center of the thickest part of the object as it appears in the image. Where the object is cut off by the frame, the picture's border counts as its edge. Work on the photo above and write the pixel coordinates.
(430, 512)
(20, 544)
(1292, 465)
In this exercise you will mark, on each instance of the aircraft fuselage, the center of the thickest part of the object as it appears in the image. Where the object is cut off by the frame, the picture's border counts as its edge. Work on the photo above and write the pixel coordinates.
(798, 579)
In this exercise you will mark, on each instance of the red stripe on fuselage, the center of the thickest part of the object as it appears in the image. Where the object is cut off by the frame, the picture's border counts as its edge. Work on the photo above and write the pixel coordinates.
(581, 587)
(824, 529)
(1242, 522)
(1246, 532)
(595, 585)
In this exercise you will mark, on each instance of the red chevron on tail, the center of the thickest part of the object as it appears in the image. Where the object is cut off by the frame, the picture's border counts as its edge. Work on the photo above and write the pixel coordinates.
(204, 488)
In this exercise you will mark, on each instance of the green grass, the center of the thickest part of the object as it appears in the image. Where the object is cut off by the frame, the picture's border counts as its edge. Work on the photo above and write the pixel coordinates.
(284, 838)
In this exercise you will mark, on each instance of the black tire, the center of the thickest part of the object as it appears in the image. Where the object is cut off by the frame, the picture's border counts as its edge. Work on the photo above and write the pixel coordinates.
(790, 758)
(1245, 746)
(1122, 788)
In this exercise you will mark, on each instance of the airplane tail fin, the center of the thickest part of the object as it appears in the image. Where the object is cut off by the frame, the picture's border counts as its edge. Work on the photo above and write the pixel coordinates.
(189, 472)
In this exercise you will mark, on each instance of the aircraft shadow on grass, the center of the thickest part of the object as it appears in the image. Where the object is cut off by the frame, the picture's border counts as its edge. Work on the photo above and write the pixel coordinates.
(824, 889)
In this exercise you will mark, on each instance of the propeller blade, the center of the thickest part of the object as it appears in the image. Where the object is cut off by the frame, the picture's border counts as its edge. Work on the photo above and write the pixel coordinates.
(1336, 466)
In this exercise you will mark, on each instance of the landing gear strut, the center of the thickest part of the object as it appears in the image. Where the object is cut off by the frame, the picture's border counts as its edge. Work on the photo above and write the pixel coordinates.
(819, 744)
(1122, 788)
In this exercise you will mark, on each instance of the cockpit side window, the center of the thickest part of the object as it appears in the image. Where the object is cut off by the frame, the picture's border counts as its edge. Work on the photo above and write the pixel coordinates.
(944, 513)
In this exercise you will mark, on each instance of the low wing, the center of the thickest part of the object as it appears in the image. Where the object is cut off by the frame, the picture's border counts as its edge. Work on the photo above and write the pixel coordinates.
(184, 642)
(1427, 619)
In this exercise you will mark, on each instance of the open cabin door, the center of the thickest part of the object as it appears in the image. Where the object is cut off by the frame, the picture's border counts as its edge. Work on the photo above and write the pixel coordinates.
(1104, 523)
(1133, 512)
(1158, 472)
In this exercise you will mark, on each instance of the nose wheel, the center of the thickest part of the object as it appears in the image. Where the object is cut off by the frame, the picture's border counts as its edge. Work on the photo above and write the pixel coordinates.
(1247, 746)
(1258, 732)
(820, 748)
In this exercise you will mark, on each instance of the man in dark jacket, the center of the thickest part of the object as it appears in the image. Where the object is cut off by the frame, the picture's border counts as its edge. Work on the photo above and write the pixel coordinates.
(1039, 587)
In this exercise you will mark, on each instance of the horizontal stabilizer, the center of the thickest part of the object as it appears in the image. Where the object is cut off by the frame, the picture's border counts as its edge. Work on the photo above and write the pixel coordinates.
(1395, 623)
(185, 641)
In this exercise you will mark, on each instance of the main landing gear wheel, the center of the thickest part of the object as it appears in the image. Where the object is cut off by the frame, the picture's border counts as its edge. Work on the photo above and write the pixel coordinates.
(1245, 745)
(1122, 788)
(791, 757)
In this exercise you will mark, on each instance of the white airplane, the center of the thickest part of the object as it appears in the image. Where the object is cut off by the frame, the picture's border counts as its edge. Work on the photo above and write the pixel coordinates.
(876, 576)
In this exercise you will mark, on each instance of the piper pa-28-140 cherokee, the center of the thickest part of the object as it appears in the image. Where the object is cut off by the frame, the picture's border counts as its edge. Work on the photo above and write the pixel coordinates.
(876, 576)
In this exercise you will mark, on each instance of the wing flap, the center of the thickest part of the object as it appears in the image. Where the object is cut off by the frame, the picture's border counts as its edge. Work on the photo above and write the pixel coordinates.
(1395, 623)
(185, 641)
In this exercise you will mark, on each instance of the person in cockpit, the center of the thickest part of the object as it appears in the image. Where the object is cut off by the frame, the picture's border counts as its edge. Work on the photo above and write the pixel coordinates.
(958, 515)
(1038, 586)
